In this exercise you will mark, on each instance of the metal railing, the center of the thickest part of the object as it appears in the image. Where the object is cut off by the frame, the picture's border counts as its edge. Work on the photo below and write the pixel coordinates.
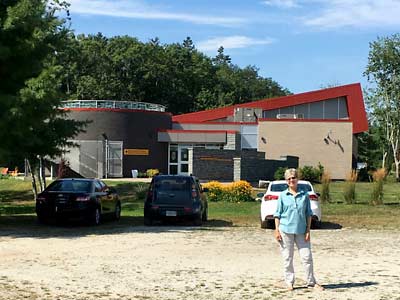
(112, 104)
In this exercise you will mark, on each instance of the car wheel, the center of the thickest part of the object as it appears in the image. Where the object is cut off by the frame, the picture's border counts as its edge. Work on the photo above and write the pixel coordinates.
(264, 224)
(198, 221)
(41, 219)
(117, 213)
(95, 217)
(271, 224)
(148, 221)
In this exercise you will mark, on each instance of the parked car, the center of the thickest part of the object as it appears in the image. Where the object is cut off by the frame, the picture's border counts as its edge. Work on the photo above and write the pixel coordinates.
(88, 199)
(269, 202)
(175, 197)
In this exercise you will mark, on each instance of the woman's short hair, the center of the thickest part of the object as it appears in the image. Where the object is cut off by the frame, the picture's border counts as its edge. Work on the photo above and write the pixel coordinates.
(290, 173)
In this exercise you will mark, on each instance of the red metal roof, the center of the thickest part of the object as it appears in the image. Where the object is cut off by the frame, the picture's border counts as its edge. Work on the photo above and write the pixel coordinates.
(352, 92)
(196, 131)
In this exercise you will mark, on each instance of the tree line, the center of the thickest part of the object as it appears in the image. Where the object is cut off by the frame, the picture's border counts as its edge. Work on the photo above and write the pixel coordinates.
(175, 75)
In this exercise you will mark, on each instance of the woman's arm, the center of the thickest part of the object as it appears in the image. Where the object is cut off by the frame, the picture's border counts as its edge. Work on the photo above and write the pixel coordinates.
(308, 236)
(278, 236)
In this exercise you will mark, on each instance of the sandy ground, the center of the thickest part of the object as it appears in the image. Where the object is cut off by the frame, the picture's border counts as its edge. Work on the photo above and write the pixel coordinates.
(179, 262)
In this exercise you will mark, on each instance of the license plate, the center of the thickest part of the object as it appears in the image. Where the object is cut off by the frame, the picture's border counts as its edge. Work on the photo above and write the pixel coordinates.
(170, 213)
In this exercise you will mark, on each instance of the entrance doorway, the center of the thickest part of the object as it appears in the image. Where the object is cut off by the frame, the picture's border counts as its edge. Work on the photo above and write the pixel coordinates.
(179, 159)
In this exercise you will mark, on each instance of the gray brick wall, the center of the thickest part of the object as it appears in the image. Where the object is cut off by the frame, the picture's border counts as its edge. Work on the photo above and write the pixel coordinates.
(231, 165)
(210, 164)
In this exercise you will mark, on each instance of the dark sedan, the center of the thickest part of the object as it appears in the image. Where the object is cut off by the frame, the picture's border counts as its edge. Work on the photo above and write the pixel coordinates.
(88, 199)
(175, 197)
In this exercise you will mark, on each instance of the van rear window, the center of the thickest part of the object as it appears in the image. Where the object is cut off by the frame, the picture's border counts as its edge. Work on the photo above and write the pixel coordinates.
(173, 184)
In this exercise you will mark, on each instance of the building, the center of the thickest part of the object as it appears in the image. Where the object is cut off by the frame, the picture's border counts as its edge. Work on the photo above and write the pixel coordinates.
(246, 141)
(121, 137)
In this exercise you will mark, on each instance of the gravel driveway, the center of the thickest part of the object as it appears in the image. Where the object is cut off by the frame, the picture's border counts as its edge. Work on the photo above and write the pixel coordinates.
(179, 262)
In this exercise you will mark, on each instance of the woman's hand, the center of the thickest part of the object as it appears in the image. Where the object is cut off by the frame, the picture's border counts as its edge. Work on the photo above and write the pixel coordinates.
(307, 236)
(278, 236)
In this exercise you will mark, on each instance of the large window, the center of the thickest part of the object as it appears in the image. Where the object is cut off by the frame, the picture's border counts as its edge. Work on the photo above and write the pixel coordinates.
(248, 137)
(333, 109)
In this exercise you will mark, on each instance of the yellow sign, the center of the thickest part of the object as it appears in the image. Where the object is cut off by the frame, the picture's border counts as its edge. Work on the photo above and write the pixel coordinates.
(136, 151)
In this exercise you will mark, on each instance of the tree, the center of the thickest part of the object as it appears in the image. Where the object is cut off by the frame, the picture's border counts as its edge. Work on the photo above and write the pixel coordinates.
(31, 124)
(383, 70)
(175, 75)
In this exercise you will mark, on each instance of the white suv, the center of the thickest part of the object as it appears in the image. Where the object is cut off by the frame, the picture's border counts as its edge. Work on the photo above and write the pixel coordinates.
(269, 201)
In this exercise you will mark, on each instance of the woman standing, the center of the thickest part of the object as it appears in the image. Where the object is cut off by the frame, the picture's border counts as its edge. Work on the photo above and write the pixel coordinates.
(292, 223)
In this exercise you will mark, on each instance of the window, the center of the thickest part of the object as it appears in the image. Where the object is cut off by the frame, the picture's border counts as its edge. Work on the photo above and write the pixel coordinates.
(97, 186)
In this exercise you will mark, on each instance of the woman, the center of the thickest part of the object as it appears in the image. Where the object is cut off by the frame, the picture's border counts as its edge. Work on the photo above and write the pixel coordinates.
(292, 223)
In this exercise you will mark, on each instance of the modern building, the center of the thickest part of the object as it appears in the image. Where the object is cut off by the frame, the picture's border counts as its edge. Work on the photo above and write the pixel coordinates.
(246, 141)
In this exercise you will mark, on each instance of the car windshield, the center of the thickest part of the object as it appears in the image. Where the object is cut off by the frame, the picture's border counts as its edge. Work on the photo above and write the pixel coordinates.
(70, 186)
(279, 187)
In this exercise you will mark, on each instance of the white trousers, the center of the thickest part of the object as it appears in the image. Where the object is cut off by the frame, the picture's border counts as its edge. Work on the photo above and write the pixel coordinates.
(287, 251)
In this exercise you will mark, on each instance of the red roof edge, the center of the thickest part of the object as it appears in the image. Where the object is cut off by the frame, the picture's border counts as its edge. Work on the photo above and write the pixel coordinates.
(196, 131)
(353, 93)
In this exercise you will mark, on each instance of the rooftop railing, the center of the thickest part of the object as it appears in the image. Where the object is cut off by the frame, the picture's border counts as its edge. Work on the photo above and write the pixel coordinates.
(112, 104)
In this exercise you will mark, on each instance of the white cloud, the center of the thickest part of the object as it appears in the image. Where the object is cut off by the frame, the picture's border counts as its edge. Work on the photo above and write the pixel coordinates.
(137, 9)
(231, 42)
(282, 3)
(357, 13)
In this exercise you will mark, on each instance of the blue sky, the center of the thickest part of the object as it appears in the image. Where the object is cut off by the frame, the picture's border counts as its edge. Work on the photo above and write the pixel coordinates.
(301, 44)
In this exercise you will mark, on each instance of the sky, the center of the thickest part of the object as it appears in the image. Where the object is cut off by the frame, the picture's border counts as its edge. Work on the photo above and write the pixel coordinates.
(303, 45)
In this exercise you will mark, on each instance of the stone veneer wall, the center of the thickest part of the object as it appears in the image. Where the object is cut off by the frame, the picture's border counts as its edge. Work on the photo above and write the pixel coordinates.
(210, 164)
(230, 165)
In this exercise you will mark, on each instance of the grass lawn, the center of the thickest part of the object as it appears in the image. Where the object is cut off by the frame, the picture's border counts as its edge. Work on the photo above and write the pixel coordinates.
(16, 204)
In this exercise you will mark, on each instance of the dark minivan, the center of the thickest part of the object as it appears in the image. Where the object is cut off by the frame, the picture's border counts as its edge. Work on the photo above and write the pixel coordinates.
(175, 197)
(88, 199)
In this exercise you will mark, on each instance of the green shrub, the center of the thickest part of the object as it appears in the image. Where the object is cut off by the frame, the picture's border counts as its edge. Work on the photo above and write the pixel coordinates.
(377, 187)
(4, 176)
(142, 175)
(349, 191)
(280, 173)
(310, 173)
(141, 190)
(364, 175)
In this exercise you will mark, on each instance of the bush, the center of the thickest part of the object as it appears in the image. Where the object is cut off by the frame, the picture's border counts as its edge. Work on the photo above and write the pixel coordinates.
(280, 173)
(4, 176)
(152, 172)
(141, 190)
(142, 175)
(364, 175)
(350, 187)
(325, 181)
(312, 174)
(239, 191)
(377, 188)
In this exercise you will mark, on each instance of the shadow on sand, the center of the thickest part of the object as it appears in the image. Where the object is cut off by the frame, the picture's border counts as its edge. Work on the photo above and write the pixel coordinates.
(348, 285)
(27, 226)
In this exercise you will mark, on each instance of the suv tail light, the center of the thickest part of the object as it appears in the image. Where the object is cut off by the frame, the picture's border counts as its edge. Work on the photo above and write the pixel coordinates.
(270, 197)
(313, 197)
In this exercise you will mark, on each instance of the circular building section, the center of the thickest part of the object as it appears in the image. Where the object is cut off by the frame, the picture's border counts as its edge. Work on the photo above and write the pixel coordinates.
(122, 137)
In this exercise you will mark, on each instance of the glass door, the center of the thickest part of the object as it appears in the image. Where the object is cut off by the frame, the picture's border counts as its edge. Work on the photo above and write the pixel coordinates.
(178, 159)
(173, 159)
(183, 160)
